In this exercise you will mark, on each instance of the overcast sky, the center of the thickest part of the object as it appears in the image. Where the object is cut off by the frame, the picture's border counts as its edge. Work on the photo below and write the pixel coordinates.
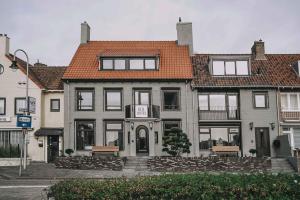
(49, 30)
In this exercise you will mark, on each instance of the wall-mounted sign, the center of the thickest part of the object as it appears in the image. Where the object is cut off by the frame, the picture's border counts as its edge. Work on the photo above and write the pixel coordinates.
(141, 111)
(5, 119)
(24, 121)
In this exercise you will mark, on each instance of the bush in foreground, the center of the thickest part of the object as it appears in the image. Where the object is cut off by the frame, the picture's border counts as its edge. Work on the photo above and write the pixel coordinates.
(183, 186)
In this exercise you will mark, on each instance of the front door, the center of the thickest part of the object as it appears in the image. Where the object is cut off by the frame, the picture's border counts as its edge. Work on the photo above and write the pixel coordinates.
(53, 147)
(262, 140)
(142, 140)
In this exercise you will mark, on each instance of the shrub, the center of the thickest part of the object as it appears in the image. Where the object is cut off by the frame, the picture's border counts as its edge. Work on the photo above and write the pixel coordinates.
(252, 151)
(183, 186)
(69, 151)
(176, 142)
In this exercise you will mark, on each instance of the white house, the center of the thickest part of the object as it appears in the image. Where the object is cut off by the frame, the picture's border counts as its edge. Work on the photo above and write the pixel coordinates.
(44, 85)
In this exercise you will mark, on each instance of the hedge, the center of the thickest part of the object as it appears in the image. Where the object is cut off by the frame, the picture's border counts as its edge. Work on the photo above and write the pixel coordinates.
(183, 186)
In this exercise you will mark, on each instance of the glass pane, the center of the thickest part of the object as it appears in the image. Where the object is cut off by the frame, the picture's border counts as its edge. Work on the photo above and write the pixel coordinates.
(136, 64)
(171, 100)
(260, 101)
(204, 130)
(113, 100)
(85, 135)
(85, 100)
(242, 68)
(107, 64)
(1, 106)
(205, 142)
(219, 136)
(230, 68)
(203, 102)
(114, 126)
(55, 104)
(234, 139)
(150, 64)
(217, 102)
(112, 138)
(20, 105)
(284, 102)
(218, 67)
(232, 101)
(119, 64)
(293, 102)
(144, 98)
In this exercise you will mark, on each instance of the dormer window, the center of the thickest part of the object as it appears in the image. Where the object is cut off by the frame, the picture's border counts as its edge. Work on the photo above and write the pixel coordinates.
(230, 67)
(132, 63)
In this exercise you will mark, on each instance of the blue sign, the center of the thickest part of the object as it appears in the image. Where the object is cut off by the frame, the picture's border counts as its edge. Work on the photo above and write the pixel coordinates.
(24, 121)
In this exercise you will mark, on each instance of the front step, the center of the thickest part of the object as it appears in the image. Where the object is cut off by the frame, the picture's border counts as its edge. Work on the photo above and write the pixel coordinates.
(281, 165)
(137, 163)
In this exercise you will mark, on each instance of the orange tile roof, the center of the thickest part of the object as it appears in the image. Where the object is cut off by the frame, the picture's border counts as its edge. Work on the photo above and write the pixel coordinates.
(175, 62)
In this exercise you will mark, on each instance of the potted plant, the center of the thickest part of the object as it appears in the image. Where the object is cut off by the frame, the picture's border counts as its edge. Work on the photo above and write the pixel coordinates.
(69, 152)
(252, 151)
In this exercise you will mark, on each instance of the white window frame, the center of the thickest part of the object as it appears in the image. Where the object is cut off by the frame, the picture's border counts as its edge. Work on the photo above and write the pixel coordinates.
(288, 95)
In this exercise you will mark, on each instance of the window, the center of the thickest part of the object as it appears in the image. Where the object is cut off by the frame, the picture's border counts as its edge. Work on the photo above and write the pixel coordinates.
(217, 101)
(113, 99)
(85, 99)
(129, 63)
(260, 99)
(54, 105)
(2, 106)
(203, 102)
(107, 64)
(171, 99)
(20, 106)
(169, 124)
(120, 64)
(218, 136)
(290, 101)
(230, 67)
(85, 134)
(114, 134)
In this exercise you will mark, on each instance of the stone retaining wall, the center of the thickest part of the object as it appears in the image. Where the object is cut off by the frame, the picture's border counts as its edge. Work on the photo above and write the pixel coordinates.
(189, 164)
(88, 162)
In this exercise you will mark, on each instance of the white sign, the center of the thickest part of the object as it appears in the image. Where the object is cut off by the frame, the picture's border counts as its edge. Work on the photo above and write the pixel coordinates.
(5, 119)
(32, 103)
(141, 111)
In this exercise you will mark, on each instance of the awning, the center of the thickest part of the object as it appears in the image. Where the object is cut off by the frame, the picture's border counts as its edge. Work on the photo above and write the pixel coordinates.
(49, 131)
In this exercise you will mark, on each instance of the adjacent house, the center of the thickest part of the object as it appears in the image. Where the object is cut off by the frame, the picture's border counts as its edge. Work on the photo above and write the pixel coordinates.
(128, 93)
(44, 85)
(246, 100)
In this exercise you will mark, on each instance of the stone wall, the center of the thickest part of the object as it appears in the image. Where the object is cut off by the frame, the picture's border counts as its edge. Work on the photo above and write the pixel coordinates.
(189, 164)
(88, 162)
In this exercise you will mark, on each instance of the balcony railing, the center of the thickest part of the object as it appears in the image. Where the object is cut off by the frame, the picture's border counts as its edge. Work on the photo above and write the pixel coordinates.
(142, 111)
(219, 113)
(290, 115)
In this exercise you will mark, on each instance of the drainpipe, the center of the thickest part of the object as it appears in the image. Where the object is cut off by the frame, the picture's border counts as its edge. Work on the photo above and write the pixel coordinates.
(278, 110)
(186, 106)
(193, 122)
(69, 124)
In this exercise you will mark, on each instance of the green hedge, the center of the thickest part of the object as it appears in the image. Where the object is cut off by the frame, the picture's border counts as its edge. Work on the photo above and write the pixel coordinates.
(183, 186)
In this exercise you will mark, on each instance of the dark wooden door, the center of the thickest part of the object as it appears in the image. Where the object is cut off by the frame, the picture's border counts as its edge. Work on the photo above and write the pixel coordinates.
(142, 140)
(53, 147)
(262, 140)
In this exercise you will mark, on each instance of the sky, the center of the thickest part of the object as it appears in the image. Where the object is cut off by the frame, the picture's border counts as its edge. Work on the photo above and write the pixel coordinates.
(49, 30)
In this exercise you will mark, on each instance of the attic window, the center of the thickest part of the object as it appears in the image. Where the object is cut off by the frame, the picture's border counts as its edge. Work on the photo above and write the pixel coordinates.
(230, 67)
(129, 63)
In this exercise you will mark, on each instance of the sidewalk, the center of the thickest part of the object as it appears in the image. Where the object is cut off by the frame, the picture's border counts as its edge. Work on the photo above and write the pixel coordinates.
(38, 170)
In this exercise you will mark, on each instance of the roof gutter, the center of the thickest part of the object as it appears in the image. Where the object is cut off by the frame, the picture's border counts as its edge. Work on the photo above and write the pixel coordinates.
(252, 86)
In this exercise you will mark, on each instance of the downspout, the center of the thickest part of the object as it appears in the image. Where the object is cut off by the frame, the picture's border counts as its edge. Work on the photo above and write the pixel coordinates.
(186, 106)
(278, 110)
(193, 121)
(69, 123)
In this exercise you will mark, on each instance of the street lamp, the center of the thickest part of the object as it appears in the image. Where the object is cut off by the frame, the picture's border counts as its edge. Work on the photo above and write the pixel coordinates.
(15, 67)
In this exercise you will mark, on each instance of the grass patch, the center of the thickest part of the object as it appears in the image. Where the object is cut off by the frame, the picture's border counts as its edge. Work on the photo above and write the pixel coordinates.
(183, 186)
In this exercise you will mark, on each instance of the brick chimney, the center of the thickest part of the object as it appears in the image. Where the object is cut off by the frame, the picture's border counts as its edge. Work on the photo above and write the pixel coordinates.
(4, 44)
(258, 50)
(85, 33)
(185, 34)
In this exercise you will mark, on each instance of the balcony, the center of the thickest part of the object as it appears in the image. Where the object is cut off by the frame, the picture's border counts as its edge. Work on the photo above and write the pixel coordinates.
(142, 111)
(290, 115)
(219, 113)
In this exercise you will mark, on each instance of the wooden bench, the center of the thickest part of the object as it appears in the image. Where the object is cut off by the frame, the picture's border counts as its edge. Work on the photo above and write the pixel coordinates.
(226, 149)
(104, 150)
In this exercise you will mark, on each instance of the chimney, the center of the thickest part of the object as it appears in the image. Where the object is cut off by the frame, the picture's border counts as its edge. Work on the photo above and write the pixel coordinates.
(258, 50)
(85, 33)
(4, 44)
(185, 34)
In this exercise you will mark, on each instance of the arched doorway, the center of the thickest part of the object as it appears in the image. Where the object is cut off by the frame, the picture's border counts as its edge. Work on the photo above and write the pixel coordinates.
(142, 140)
